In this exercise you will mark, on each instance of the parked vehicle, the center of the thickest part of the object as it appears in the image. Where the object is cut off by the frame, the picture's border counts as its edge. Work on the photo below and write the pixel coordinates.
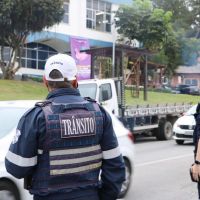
(192, 89)
(156, 120)
(164, 88)
(175, 90)
(184, 126)
(182, 88)
(10, 113)
(188, 89)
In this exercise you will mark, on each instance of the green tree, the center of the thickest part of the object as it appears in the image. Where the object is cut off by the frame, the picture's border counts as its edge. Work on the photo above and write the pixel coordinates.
(186, 15)
(186, 23)
(181, 15)
(152, 27)
(190, 50)
(170, 55)
(19, 18)
(141, 22)
(195, 16)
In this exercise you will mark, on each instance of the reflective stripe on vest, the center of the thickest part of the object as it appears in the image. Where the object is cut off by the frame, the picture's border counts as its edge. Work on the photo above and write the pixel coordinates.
(77, 160)
(76, 170)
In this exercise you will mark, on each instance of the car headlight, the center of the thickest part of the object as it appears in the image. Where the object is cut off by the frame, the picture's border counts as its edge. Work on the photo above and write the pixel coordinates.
(176, 125)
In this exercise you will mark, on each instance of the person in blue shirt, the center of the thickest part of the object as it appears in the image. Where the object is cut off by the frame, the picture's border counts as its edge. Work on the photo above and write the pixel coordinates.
(66, 146)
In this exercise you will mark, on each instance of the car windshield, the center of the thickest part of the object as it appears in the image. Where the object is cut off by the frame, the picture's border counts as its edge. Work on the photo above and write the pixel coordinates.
(191, 111)
(88, 90)
(9, 118)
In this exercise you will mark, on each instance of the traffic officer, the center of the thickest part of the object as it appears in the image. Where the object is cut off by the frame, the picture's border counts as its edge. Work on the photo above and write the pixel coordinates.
(66, 146)
(196, 140)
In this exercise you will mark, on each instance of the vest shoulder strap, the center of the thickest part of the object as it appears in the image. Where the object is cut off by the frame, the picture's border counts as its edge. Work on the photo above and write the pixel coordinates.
(89, 105)
(90, 99)
(82, 105)
(42, 103)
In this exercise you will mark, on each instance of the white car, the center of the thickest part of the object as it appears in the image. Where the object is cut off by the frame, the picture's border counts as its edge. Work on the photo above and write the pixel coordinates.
(10, 113)
(125, 139)
(184, 126)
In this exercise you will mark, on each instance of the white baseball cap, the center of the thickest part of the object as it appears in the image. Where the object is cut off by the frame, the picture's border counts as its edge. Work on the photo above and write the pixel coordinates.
(63, 63)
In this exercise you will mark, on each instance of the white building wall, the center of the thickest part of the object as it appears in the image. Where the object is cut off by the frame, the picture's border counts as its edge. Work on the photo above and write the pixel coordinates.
(77, 23)
(76, 27)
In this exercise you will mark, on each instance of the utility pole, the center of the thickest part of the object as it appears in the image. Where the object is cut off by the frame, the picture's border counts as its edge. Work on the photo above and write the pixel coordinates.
(145, 78)
(113, 48)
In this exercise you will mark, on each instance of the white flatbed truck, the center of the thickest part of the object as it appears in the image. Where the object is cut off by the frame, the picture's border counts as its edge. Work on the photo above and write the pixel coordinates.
(155, 120)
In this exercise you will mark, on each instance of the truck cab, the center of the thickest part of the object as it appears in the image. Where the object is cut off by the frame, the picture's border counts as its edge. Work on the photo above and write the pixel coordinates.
(103, 91)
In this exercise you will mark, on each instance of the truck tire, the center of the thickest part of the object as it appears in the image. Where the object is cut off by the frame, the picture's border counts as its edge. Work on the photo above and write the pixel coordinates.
(164, 131)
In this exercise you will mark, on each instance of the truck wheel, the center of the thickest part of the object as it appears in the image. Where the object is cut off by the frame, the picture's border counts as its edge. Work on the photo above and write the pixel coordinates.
(127, 182)
(164, 131)
(180, 142)
(8, 191)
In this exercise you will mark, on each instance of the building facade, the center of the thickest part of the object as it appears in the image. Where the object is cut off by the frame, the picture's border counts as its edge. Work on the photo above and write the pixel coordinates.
(187, 75)
(89, 19)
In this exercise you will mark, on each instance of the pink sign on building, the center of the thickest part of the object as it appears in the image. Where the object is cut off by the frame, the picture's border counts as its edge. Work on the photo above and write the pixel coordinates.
(83, 60)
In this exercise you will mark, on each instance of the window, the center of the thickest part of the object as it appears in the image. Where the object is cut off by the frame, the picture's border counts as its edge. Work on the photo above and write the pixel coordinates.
(89, 23)
(66, 15)
(194, 82)
(34, 55)
(105, 92)
(42, 55)
(41, 64)
(98, 15)
(31, 63)
(191, 82)
(31, 53)
(88, 90)
(6, 53)
(89, 4)
(99, 22)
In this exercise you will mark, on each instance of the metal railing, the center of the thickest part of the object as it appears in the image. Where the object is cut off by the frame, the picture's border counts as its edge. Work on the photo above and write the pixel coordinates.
(157, 109)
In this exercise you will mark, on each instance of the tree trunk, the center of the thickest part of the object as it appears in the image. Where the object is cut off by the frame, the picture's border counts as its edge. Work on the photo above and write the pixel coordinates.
(8, 74)
(10, 69)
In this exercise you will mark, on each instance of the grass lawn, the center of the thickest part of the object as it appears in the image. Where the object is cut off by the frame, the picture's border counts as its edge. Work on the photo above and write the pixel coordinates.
(16, 90)
(160, 98)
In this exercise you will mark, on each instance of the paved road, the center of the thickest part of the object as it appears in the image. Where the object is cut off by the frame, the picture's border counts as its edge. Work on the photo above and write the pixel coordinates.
(161, 171)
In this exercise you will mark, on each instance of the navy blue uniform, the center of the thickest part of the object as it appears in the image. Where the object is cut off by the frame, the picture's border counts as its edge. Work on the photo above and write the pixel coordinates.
(27, 155)
(196, 136)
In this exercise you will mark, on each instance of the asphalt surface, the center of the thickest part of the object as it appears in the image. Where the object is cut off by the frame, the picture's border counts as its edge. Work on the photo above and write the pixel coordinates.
(162, 171)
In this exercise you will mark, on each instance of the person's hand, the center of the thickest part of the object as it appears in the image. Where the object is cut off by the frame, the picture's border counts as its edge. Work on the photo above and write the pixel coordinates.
(196, 172)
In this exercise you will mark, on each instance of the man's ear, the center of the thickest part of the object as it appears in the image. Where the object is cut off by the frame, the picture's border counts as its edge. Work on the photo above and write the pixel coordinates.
(75, 83)
(45, 81)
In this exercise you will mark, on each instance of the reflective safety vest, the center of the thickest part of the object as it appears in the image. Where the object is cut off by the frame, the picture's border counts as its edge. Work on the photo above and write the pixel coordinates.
(71, 156)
